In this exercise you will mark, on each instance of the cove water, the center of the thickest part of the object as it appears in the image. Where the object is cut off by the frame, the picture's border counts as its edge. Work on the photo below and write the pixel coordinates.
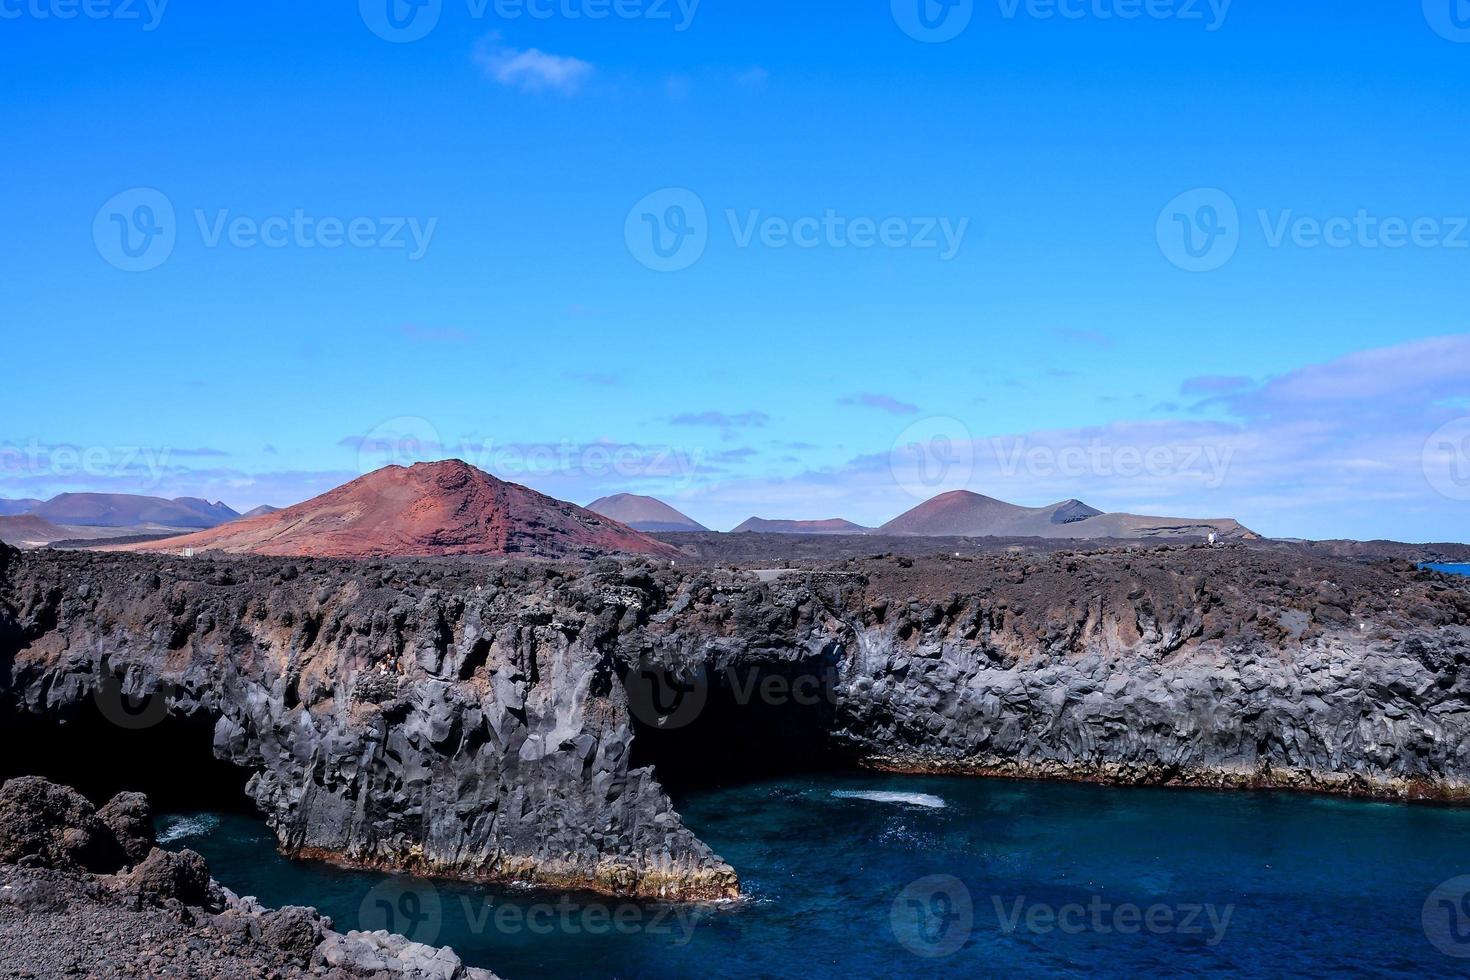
(879, 876)
(1450, 569)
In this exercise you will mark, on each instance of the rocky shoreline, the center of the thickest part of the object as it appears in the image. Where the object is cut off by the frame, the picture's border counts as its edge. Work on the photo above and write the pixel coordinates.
(518, 720)
(87, 892)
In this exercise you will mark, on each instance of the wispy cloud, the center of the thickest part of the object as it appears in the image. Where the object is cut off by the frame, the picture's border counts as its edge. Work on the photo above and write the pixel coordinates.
(1091, 338)
(387, 444)
(884, 403)
(755, 77)
(723, 420)
(1213, 385)
(531, 70)
(435, 335)
(604, 379)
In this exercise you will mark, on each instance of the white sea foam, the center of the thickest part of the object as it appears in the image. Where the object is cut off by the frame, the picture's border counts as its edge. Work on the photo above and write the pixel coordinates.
(182, 828)
(907, 799)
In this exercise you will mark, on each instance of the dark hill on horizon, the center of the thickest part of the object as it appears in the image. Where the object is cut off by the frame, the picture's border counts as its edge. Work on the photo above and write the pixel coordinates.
(644, 513)
(836, 525)
(961, 513)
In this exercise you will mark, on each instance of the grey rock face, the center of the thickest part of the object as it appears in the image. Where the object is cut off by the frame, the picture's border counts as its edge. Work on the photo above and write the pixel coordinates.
(477, 719)
(374, 953)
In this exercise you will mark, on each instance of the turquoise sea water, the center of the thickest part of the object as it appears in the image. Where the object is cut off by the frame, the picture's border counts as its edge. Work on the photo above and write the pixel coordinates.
(877, 876)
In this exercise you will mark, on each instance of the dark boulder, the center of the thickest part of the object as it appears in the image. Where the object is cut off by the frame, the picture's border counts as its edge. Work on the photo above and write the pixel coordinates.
(50, 826)
(130, 819)
(294, 931)
(170, 875)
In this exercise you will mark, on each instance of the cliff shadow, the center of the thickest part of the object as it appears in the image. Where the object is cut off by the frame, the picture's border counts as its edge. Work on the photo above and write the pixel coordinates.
(719, 725)
(89, 746)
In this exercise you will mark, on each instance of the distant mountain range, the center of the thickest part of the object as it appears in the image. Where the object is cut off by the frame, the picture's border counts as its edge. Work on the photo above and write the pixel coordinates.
(644, 513)
(961, 513)
(451, 508)
(122, 510)
(10, 508)
(427, 510)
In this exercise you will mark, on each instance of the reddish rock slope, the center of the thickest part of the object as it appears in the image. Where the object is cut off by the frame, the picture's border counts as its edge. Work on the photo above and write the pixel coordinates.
(430, 509)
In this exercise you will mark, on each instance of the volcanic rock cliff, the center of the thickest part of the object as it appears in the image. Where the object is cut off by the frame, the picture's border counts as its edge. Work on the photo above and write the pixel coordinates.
(514, 720)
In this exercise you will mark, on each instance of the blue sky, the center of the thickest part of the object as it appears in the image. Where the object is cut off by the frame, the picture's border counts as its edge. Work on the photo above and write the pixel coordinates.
(909, 265)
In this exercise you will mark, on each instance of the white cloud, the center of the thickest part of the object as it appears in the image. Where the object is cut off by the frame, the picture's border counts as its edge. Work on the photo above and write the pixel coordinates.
(754, 77)
(531, 70)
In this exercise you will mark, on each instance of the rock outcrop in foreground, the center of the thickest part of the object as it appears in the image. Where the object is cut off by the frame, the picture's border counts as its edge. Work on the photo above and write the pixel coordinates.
(86, 892)
(509, 720)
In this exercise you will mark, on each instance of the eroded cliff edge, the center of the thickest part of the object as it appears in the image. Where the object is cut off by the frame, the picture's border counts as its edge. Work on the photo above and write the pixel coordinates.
(473, 718)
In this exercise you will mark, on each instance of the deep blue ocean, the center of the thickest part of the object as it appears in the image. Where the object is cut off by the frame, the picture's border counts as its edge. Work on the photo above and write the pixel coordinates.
(878, 876)
(1451, 569)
